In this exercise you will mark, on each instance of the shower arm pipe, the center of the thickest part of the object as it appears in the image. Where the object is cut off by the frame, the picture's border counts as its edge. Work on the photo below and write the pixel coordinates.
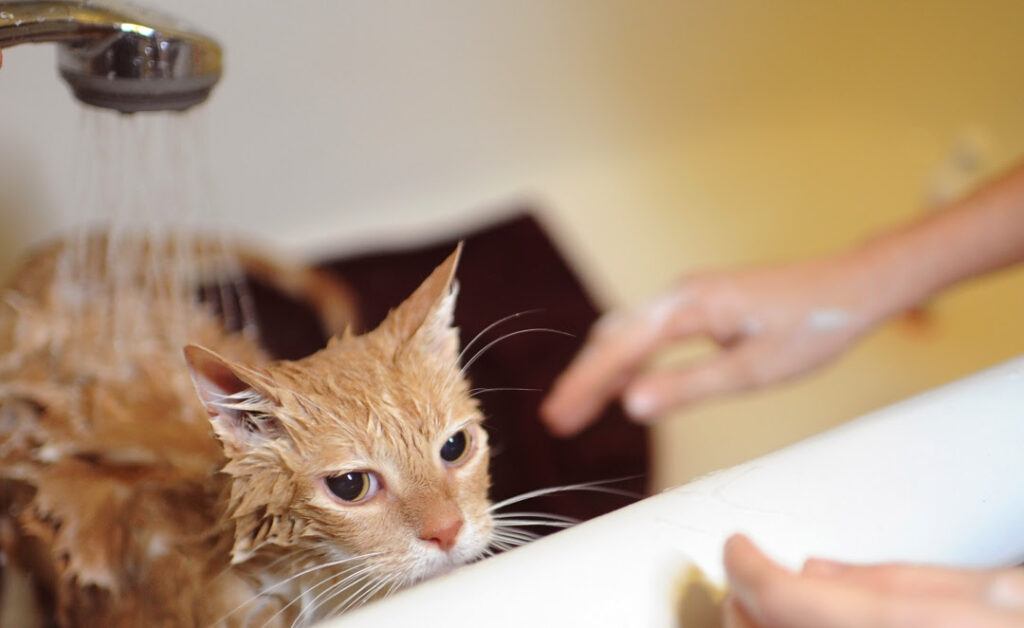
(123, 58)
(41, 22)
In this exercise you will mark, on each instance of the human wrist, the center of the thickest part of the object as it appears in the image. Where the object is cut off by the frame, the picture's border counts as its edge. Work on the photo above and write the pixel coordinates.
(892, 275)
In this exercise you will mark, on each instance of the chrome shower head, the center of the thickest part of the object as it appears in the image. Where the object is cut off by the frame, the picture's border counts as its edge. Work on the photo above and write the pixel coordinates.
(118, 56)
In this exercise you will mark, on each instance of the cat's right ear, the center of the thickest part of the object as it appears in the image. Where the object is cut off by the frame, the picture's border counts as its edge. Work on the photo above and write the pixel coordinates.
(427, 316)
(239, 403)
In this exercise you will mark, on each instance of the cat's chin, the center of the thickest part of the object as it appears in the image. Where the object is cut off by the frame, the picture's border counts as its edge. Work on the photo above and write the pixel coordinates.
(435, 566)
(439, 564)
(442, 570)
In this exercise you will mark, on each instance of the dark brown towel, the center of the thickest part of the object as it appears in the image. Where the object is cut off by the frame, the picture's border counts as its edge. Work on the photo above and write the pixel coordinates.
(506, 268)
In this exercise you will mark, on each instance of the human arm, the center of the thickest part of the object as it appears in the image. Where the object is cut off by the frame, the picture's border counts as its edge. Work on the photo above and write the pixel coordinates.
(775, 323)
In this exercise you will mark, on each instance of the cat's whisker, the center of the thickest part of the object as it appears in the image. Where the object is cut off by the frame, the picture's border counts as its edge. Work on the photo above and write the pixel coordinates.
(394, 586)
(366, 597)
(321, 566)
(509, 532)
(288, 562)
(479, 391)
(503, 546)
(470, 344)
(351, 601)
(386, 582)
(514, 541)
(294, 558)
(595, 487)
(348, 579)
(512, 523)
(539, 515)
(349, 582)
(287, 580)
(505, 524)
(512, 533)
(490, 344)
(303, 592)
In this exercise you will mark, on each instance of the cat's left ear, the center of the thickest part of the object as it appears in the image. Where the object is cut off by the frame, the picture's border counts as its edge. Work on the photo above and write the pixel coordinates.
(428, 315)
(236, 397)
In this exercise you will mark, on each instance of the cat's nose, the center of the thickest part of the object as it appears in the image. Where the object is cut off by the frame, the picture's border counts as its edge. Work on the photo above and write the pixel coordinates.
(443, 531)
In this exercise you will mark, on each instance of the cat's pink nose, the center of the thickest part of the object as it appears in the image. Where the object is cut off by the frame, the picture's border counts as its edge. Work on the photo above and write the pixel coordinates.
(443, 531)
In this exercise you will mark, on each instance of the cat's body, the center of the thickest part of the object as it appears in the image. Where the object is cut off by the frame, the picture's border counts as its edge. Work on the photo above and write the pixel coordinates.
(127, 509)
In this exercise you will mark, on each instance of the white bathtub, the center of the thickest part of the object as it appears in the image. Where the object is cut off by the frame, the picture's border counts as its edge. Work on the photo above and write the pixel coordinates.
(938, 478)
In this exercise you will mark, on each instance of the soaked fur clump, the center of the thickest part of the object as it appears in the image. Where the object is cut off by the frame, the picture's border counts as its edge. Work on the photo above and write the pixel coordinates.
(283, 492)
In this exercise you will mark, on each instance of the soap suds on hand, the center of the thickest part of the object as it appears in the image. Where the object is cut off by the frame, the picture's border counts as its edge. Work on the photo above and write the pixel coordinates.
(828, 319)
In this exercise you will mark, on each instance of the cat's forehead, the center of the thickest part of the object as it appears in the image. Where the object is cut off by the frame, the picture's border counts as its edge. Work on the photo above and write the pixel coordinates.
(382, 428)
(359, 394)
(365, 374)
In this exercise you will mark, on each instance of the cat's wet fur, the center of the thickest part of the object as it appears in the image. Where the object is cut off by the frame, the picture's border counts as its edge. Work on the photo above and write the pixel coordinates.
(132, 500)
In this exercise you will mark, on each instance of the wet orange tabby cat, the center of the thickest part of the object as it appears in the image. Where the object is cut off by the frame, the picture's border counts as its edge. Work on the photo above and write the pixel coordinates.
(323, 483)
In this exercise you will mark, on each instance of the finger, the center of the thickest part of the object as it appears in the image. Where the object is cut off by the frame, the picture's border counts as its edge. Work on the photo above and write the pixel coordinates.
(758, 584)
(906, 579)
(733, 615)
(1007, 590)
(775, 598)
(794, 602)
(617, 348)
(747, 567)
(727, 372)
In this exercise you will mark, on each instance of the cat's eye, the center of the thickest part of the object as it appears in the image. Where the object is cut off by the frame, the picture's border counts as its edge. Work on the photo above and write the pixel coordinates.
(354, 486)
(455, 448)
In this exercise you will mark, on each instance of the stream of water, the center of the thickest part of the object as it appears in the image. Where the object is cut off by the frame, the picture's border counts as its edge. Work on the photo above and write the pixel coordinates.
(146, 242)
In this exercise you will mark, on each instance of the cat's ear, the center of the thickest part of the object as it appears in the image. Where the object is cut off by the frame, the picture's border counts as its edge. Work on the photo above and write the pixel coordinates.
(237, 398)
(428, 315)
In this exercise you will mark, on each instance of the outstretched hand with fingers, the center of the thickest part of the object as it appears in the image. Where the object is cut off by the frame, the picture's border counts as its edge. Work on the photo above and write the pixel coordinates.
(770, 324)
(827, 594)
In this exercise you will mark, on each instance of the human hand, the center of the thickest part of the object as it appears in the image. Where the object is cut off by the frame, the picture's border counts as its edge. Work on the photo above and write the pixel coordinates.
(771, 324)
(827, 594)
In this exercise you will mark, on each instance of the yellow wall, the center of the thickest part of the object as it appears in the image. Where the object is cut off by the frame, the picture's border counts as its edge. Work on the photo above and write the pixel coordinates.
(664, 136)
(779, 130)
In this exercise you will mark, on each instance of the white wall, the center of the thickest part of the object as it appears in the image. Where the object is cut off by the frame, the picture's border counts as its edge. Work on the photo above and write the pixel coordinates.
(664, 136)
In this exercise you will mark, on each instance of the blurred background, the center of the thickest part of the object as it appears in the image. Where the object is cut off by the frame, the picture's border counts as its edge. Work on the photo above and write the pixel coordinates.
(655, 138)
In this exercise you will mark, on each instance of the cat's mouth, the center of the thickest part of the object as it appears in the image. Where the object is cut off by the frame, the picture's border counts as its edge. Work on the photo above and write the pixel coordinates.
(438, 563)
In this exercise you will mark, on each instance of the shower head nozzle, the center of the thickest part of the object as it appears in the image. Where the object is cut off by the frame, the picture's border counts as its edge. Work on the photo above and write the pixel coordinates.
(118, 56)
